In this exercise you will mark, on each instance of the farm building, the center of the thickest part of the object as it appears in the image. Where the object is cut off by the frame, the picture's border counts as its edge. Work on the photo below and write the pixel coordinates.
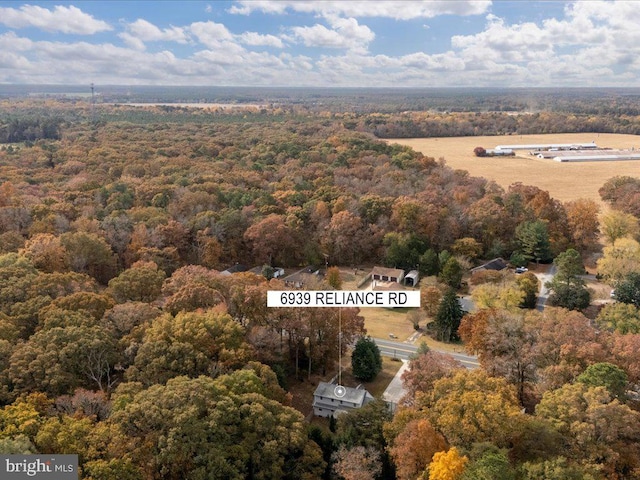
(496, 152)
(597, 156)
(549, 146)
(387, 274)
(326, 403)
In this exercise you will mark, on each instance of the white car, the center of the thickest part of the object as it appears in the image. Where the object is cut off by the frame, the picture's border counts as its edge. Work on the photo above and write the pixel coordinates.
(521, 269)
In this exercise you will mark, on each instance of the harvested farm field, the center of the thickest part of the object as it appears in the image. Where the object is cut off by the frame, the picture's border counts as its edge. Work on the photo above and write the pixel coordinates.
(563, 181)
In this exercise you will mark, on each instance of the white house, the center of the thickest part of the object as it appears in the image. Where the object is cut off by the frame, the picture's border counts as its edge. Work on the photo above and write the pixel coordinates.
(330, 400)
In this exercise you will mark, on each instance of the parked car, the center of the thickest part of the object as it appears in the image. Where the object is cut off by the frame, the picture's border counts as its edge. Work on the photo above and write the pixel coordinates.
(521, 269)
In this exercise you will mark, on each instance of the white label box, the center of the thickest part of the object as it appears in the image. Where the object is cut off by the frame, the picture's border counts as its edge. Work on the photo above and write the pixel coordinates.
(343, 298)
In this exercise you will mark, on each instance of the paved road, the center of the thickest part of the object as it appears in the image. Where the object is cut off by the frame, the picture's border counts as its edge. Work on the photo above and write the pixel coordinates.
(403, 351)
(543, 294)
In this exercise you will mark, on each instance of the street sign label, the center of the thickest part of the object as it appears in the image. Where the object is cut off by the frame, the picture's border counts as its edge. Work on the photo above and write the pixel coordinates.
(343, 298)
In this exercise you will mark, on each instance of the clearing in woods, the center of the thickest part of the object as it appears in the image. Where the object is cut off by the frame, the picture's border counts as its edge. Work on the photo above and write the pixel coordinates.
(564, 181)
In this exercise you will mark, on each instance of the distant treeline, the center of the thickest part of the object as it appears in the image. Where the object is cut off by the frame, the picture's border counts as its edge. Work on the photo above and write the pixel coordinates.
(420, 124)
(29, 129)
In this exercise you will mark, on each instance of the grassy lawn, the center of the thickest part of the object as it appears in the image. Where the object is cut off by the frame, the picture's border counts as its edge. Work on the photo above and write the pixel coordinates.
(380, 322)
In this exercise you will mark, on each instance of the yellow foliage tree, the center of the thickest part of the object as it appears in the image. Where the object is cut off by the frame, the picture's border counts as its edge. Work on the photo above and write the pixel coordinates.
(619, 259)
(447, 465)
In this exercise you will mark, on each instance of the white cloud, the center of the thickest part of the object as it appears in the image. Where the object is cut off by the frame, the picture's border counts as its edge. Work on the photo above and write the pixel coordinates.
(259, 40)
(211, 34)
(142, 31)
(61, 19)
(396, 9)
(346, 33)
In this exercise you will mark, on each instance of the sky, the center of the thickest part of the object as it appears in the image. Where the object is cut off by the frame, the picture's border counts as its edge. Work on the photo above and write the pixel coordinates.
(329, 43)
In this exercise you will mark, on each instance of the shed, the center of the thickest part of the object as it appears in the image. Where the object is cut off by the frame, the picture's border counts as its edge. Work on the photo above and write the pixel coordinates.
(412, 278)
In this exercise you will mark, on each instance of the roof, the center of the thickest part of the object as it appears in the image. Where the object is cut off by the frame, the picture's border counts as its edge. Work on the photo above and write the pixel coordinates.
(303, 275)
(546, 146)
(495, 264)
(387, 272)
(412, 274)
(238, 267)
(359, 396)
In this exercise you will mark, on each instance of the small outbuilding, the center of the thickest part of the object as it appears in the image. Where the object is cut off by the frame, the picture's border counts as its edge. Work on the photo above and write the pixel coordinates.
(412, 278)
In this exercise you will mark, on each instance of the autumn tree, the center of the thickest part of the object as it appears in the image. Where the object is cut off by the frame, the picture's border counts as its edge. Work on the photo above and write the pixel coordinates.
(45, 252)
(430, 297)
(334, 278)
(472, 406)
(615, 225)
(192, 344)
(567, 343)
(425, 368)
(575, 411)
(58, 360)
(467, 247)
(582, 215)
(364, 426)
(619, 259)
(624, 354)
(346, 238)
(487, 462)
(505, 343)
(414, 448)
(529, 285)
(622, 193)
(272, 240)
(507, 297)
(89, 253)
(140, 283)
(619, 317)
(192, 287)
(447, 465)
(216, 428)
(357, 463)
(607, 375)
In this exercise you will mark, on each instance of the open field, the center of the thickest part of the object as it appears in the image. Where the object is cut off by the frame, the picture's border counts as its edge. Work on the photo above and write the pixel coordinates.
(563, 181)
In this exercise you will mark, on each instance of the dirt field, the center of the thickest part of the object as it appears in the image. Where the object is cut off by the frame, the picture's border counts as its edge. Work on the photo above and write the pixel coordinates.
(563, 181)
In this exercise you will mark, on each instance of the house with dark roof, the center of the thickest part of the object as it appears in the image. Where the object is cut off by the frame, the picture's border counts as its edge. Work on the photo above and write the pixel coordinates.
(330, 400)
(302, 277)
(496, 264)
(237, 268)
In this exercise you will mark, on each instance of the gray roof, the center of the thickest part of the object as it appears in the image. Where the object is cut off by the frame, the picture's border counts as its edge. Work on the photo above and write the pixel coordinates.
(359, 396)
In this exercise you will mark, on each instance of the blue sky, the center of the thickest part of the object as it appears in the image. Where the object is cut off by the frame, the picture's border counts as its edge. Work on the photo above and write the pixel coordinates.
(353, 43)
